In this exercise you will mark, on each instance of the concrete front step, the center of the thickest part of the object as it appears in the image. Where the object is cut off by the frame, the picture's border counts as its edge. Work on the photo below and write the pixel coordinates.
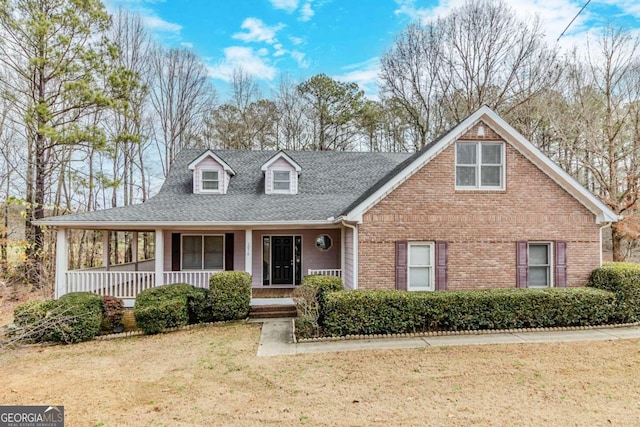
(271, 311)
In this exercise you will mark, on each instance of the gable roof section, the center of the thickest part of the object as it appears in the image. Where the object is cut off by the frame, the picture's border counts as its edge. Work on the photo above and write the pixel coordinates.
(281, 155)
(410, 166)
(211, 154)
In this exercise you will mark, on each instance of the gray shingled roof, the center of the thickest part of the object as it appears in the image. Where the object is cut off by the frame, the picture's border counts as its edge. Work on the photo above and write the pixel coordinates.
(329, 183)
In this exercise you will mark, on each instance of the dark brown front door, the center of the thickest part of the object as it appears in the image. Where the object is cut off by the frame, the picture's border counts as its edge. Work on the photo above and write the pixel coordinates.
(282, 260)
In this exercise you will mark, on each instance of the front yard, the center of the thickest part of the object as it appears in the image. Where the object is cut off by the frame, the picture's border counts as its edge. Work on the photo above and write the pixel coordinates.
(211, 376)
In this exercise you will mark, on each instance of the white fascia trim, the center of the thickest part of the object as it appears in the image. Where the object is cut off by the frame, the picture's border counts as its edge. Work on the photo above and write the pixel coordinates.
(129, 225)
(602, 212)
(211, 154)
(276, 157)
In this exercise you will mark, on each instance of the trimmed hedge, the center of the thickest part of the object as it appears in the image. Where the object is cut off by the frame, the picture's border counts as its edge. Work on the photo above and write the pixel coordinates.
(623, 279)
(323, 285)
(229, 295)
(167, 306)
(392, 312)
(29, 316)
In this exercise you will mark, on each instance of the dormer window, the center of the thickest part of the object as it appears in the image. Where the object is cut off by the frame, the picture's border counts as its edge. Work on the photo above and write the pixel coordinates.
(210, 180)
(281, 181)
(211, 174)
(281, 174)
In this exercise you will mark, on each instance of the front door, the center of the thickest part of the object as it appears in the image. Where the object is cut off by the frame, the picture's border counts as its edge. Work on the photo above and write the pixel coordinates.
(282, 260)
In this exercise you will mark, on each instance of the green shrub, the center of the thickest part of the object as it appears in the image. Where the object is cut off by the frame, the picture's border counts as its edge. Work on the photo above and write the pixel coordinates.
(112, 311)
(199, 310)
(163, 307)
(81, 317)
(30, 318)
(322, 285)
(229, 295)
(390, 312)
(72, 318)
(623, 279)
(308, 311)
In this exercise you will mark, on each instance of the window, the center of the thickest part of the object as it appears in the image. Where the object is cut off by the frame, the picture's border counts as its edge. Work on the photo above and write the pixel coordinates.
(324, 242)
(479, 165)
(202, 252)
(210, 180)
(281, 181)
(420, 267)
(539, 265)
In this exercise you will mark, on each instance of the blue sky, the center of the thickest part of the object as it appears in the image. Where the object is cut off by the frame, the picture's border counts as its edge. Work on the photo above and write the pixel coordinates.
(341, 38)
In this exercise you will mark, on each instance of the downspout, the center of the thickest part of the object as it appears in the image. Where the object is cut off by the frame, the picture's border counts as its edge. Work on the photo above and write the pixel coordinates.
(608, 224)
(355, 252)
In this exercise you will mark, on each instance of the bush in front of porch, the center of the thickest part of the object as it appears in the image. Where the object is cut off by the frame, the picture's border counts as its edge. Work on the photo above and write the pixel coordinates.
(166, 307)
(310, 299)
(229, 295)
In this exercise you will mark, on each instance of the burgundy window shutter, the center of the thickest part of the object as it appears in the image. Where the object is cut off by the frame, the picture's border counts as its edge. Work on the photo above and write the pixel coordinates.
(228, 251)
(441, 265)
(175, 251)
(401, 265)
(560, 255)
(522, 264)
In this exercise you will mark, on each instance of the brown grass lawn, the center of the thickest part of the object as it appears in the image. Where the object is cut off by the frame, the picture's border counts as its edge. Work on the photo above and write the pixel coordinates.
(211, 376)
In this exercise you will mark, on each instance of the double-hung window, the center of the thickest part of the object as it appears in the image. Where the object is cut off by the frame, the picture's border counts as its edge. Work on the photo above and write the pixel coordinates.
(480, 165)
(539, 265)
(281, 181)
(210, 180)
(202, 252)
(420, 266)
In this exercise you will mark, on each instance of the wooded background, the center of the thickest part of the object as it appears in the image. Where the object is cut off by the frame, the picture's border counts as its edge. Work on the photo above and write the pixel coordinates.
(93, 110)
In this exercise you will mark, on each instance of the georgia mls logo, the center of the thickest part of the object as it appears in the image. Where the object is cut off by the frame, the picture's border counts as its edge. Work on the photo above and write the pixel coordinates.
(31, 416)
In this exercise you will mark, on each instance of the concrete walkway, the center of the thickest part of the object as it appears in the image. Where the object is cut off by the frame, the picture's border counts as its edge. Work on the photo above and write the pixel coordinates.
(276, 339)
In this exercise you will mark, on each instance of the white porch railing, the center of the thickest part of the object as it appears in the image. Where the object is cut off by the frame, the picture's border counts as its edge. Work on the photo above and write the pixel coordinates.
(326, 272)
(198, 279)
(120, 284)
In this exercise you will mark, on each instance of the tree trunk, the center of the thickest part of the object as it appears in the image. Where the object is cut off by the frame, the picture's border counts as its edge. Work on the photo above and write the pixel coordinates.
(616, 243)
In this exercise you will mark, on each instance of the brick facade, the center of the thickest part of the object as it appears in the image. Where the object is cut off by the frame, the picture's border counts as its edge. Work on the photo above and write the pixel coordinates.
(481, 227)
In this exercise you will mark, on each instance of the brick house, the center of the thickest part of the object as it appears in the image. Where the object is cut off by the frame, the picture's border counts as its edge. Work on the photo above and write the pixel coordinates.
(480, 207)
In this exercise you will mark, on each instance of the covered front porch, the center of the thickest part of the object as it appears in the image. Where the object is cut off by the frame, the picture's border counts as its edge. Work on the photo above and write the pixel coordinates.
(276, 258)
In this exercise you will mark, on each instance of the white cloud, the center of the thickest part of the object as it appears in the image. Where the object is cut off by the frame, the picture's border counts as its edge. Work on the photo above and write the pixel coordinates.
(299, 58)
(296, 40)
(278, 50)
(365, 74)
(257, 31)
(154, 23)
(242, 57)
(306, 13)
(288, 5)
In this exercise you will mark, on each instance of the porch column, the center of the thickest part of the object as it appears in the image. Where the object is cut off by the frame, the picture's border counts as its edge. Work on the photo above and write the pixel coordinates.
(62, 262)
(248, 250)
(134, 249)
(105, 249)
(159, 262)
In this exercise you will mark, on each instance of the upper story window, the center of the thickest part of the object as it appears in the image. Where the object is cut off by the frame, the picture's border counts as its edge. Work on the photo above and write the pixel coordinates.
(480, 165)
(210, 180)
(281, 181)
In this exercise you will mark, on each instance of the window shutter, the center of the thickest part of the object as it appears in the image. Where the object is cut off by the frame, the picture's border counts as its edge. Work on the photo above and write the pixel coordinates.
(228, 251)
(522, 264)
(560, 255)
(175, 252)
(401, 265)
(441, 265)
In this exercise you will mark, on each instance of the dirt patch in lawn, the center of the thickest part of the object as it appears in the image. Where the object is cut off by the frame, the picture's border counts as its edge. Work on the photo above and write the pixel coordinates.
(212, 376)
